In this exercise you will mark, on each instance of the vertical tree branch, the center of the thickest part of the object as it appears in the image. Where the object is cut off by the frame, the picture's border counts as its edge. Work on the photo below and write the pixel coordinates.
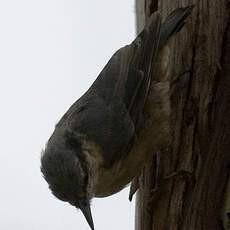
(200, 124)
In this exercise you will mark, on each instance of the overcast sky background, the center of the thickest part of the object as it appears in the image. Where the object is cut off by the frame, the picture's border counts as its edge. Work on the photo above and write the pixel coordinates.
(50, 53)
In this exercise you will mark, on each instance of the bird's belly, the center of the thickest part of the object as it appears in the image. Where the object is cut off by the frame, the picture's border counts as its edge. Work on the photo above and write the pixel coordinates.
(114, 179)
(154, 136)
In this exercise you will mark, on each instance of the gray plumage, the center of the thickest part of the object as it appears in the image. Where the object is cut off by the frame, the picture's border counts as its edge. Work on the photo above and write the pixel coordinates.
(99, 129)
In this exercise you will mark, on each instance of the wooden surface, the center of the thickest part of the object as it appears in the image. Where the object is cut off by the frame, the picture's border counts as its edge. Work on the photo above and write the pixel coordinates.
(199, 151)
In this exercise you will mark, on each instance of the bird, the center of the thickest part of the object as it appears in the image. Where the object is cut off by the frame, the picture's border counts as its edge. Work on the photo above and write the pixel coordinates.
(93, 150)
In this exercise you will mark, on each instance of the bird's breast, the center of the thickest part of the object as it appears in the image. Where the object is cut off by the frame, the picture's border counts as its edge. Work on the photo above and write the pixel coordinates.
(113, 179)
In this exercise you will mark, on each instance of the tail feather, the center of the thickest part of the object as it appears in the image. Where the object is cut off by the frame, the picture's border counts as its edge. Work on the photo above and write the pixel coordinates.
(173, 23)
(148, 43)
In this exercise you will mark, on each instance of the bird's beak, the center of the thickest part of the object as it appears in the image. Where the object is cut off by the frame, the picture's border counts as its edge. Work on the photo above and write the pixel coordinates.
(85, 208)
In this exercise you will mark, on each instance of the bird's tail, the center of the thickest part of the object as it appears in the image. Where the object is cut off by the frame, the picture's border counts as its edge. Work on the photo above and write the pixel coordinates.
(144, 52)
(155, 35)
(173, 23)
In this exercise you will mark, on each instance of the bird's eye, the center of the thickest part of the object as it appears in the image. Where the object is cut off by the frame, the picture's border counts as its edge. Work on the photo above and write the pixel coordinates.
(71, 140)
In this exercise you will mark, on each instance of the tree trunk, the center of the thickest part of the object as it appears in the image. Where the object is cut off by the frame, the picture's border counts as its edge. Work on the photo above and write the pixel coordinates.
(198, 195)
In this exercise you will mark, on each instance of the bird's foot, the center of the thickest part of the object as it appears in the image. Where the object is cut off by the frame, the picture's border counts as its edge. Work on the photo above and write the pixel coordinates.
(178, 77)
(180, 81)
(184, 174)
(134, 187)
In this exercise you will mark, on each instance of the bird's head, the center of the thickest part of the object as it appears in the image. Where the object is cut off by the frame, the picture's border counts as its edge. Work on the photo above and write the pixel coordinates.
(65, 168)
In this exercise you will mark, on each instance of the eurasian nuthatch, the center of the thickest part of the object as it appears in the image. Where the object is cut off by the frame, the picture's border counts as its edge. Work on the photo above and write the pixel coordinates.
(91, 151)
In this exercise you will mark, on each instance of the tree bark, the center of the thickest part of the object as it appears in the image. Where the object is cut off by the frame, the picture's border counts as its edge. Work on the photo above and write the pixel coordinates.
(198, 195)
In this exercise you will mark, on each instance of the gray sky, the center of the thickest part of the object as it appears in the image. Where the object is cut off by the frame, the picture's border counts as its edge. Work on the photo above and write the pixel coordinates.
(50, 53)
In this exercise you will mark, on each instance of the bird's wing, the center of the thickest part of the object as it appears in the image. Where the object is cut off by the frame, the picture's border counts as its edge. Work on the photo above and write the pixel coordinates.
(126, 77)
(138, 80)
(108, 126)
